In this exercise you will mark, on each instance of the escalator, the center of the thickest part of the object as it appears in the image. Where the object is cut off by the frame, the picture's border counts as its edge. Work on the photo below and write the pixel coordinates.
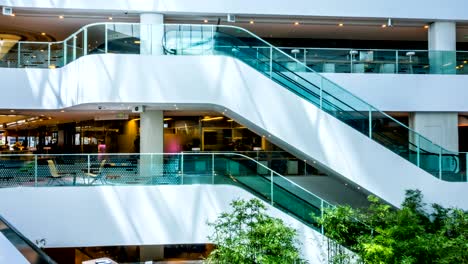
(250, 175)
(290, 73)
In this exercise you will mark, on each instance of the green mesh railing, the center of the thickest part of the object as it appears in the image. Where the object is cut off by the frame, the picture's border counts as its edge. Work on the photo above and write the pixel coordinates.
(276, 64)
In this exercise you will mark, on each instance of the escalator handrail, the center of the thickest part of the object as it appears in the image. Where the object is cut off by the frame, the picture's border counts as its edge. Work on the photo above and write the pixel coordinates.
(302, 87)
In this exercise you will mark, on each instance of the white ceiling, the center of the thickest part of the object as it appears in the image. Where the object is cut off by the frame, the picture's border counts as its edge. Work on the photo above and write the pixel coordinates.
(31, 24)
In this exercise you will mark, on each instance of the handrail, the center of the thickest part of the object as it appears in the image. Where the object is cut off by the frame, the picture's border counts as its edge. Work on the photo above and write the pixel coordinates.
(42, 258)
(370, 109)
(289, 57)
(129, 168)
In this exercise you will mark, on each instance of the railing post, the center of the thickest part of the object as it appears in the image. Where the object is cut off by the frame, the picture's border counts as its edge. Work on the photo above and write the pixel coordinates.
(305, 57)
(74, 47)
(85, 41)
(321, 92)
(271, 187)
(65, 52)
(440, 162)
(466, 163)
(89, 164)
(35, 170)
(321, 215)
(370, 122)
(48, 55)
(271, 61)
(151, 167)
(418, 150)
(212, 168)
(19, 54)
(182, 168)
(396, 61)
(105, 38)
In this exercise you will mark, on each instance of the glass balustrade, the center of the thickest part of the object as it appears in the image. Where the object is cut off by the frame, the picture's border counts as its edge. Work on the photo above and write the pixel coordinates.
(293, 68)
(163, 169)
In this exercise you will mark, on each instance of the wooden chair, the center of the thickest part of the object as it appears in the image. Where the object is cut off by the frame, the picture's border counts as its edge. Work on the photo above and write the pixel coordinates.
(99, 176)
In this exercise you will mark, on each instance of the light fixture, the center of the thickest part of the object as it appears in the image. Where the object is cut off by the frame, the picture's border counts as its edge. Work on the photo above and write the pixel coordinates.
(137, 42)
(12, 110)
(296, 23)
(43, 33)
(167, 119)
(251, 22)
(110, 18)
(205, 21)
(13, 14)
(384, 26)
(207, 118)
(340, 24)
(61, 17)
(426, 26)
(389, 23)
(62, 111)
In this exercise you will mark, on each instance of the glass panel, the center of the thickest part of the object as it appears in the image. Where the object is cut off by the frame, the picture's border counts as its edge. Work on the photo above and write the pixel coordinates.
(8, 54)
(56, 55)
(429, 156)
(124, 38)
(34, 55)
(413, 62)
(296, 201)
(345, 107)
(453, 166)
(96, 39)
(68, 51)
(79, 41)
(443, 62)
(388, 132)
(329, 60)
(462, 62)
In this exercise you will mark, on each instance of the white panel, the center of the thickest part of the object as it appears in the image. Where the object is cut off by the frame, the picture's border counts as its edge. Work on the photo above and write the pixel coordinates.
(221, 83)
(132, 215)
(407, 92)
(449, 9)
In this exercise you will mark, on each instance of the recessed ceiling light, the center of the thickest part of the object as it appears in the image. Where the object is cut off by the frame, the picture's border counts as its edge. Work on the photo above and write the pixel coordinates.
(251, 22)
(384, 26)
(61, 17)
(43, 33)
(62, 111)
(296, 23)
(340, 24)
(13, 14)
(426, 26)
(12, 111)
(205, 21)
(110, 18)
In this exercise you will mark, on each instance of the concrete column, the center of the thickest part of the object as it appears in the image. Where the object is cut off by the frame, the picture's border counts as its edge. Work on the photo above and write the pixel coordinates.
(151, 132)
(442, 42)
(151, 141)
(440, 128)
(151, 33)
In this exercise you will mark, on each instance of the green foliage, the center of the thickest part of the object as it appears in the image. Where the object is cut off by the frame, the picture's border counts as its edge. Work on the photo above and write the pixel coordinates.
(248, 235)
(382, 234)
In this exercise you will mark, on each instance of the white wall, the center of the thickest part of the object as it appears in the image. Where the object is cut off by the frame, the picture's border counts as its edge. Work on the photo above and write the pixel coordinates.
(434, 10)
(407, 92)
(131, 215)
(223, 83)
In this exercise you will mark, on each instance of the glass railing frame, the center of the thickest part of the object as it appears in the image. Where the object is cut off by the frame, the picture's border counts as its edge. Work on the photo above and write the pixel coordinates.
(145, 157)
(371, 109)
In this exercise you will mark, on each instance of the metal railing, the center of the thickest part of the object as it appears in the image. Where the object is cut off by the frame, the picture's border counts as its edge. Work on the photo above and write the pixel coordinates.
(283, 67)
(37, 170)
